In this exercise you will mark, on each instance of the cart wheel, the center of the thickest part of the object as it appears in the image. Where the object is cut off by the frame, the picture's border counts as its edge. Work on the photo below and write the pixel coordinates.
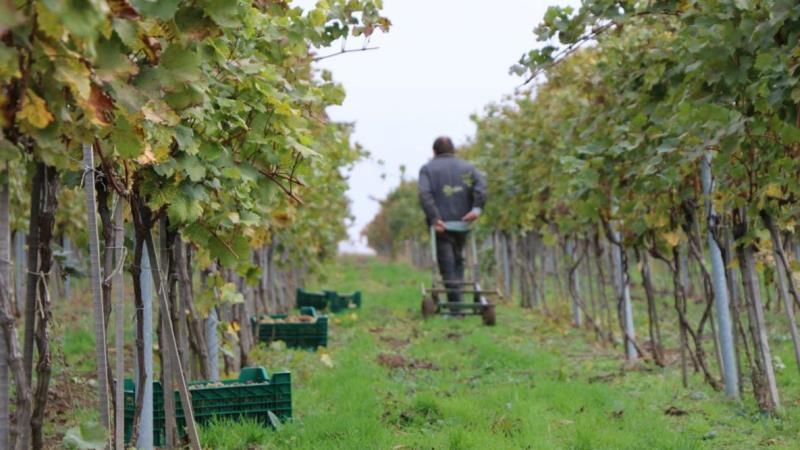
(488, 315)
(428, 307)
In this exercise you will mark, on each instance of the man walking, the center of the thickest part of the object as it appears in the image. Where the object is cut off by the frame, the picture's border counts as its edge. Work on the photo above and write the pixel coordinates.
(450, 189)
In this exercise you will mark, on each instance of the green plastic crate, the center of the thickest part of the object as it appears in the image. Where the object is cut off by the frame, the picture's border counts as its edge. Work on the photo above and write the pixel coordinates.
(328, 300)
(316, 300)
(253, 395)
(295, 335)
(342, 302)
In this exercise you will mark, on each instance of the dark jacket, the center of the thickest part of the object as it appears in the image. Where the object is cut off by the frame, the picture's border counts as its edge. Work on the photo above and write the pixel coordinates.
(449, 188)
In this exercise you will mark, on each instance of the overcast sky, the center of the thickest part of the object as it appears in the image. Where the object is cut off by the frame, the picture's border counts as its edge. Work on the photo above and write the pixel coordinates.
(442, 61)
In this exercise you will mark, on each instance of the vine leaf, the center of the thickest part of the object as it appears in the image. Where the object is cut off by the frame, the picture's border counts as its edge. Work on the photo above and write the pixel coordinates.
(101, 105)
(162, 9)
(125, 139)
(74, 74)
(182, 64)
(34, 111)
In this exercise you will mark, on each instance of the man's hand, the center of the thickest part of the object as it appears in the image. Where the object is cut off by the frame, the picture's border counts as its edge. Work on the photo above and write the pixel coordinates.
(471, 216)
(439, 226)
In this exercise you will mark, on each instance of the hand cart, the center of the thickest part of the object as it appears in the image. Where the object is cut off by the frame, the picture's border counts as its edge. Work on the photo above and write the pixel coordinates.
(480, 305)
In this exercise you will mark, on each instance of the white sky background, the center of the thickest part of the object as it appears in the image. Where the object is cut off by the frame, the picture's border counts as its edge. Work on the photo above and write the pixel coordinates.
(442, 61)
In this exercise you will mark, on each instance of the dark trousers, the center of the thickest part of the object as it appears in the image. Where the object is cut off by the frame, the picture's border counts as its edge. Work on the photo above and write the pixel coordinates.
(450, 256)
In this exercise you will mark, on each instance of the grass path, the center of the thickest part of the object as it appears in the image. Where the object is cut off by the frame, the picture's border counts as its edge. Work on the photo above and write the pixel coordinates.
(397, 382)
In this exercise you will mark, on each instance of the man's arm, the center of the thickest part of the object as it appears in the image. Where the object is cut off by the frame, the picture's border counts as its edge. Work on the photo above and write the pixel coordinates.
(478, 191)
(426, 197)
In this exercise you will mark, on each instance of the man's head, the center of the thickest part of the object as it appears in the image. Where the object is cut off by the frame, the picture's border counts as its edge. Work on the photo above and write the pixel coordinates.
(443, 145)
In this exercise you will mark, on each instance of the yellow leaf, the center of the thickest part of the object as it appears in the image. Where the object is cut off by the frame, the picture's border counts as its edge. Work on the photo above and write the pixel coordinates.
(774, 190)
(160, 113)
(161, 151)
(147, 157)
(672, 238)
(34, 110)
(258, 236)
(656, 219)
(49, 23)
(326, 359)
(72, 72)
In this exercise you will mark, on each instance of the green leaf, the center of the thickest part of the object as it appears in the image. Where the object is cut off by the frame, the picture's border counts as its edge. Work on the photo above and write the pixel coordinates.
(128, 96)
(185, 138)
(302, 149)
(74, 74)
(162, 9)
(232, 172)
(193, 167)
(183, 64)
(317, 17)
(84, 18)
(183, 210)
(224, 12)
(226, 251)
(186, 96)
(9, 66)
(48, 21)
(125, 139)
(126, 31)
(166, 168)
(766, 61)
(8, 151)
(229, 294)
(112, 59)
(211, 151)
(789, 133)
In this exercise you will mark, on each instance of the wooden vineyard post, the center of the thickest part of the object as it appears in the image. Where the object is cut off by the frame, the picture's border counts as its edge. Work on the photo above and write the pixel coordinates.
(97, 287)
(119, 317)
(145, 438)
(171, 344)
(725, 331)
(5, 272)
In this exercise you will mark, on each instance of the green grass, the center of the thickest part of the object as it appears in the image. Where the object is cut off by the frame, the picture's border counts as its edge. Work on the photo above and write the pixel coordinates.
(526, 383)
(243, 434)
(77, 344)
